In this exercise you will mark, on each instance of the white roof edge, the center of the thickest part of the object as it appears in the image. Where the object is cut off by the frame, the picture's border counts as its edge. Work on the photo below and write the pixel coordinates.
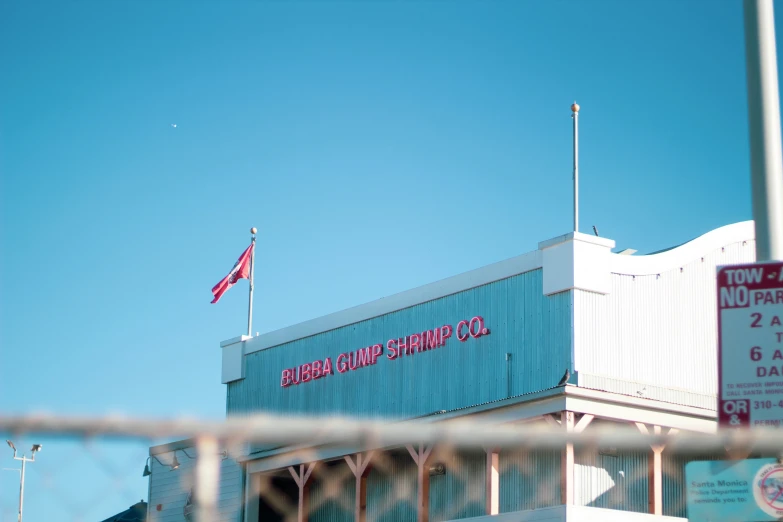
(159, 449)
(577, 236)
(235, 340)
(444, 287)
(683, 254)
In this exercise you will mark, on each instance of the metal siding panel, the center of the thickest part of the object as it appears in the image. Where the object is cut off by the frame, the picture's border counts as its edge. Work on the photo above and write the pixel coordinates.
(674, 494)
(630, 492)
(461, 492)
(658, 329)
(534, 328)
(171, 488)
(391, 490)
(674, 502)
(332, 493)
(529, 480)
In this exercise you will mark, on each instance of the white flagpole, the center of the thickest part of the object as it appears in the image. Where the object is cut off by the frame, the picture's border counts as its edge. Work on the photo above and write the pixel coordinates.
(575, 116)
(250, 298)
(766, 157)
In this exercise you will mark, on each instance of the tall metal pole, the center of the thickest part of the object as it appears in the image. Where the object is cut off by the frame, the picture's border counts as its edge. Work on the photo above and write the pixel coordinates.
(575, 116)
(21, 489)
(250, 297)
(766, 159)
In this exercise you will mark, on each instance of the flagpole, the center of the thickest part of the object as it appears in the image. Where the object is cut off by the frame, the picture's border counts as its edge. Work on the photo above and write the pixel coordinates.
(250, 298)
(575, 116)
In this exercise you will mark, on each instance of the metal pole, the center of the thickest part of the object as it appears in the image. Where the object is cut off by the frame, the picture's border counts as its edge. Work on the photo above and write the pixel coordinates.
(21, 489)
(250, 298)
(575, 116)
(766, 160)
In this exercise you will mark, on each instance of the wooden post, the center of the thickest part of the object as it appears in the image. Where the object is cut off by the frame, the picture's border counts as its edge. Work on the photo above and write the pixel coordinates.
(361, 470)
(302, 479)
(421, 458)
(253, 492)
(566, 422)
(567, 461)
(655, 471)
(493, 483)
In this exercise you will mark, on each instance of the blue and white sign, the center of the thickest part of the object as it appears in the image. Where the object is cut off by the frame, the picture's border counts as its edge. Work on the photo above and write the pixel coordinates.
(734, 491)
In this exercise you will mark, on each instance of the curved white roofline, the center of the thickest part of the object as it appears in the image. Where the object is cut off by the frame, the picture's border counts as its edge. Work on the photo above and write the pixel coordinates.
(683, 254)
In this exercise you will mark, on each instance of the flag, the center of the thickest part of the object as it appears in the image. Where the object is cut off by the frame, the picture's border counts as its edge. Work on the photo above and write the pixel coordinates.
(241, 270)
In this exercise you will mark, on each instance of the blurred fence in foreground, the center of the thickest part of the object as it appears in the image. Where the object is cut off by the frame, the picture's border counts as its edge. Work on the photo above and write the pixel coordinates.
(331, 458)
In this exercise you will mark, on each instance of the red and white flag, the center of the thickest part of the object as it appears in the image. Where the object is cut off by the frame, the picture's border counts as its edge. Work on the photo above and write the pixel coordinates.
(241, 270)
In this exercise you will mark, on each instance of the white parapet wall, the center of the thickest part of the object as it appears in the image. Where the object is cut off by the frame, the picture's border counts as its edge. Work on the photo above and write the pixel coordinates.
(654, 334)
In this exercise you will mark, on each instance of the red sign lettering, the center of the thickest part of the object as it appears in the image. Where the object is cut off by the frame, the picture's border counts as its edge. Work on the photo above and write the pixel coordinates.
(395, 348)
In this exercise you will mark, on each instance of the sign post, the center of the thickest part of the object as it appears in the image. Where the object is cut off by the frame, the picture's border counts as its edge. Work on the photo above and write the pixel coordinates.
(750, 345)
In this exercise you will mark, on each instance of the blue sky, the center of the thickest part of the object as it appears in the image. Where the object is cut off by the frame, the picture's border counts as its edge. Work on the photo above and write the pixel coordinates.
(377, 145)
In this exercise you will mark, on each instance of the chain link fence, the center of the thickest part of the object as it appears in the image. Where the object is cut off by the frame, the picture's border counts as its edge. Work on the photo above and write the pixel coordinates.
(267, 467)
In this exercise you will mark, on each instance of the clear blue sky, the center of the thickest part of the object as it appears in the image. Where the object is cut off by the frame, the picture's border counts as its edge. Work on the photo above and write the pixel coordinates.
(377, 145)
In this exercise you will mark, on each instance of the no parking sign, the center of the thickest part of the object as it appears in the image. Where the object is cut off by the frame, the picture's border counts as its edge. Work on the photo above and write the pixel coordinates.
(750, 345)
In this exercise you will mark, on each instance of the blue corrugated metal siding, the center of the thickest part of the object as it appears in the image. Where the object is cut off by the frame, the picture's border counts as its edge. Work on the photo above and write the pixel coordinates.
(673, 468)
(460, 493)
(529, 480)
(614, 482)
(392, 489)
(332, 493)
(533, 328)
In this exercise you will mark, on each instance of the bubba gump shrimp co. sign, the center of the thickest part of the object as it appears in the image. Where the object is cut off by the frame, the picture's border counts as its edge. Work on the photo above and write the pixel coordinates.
(393, 349)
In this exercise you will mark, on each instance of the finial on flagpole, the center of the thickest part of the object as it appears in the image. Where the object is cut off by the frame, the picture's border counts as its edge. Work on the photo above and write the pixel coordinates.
(253, 230)
(575, 116)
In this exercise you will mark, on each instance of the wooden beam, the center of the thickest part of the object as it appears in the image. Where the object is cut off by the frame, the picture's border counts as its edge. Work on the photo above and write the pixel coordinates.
(655, 470)
(567, 461)
(655, 482)
(493, 483)
(302, 479)
(421, 457)
(583, 423)
(361, 470)
(552, 421)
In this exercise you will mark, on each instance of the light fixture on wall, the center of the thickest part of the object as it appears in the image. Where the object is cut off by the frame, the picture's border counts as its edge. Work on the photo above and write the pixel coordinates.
(148, 471)
(607, 451)
(174, 462)
(437, 469)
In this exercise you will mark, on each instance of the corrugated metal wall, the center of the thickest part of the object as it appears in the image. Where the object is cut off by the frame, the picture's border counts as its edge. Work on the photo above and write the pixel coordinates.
(611, 481)
(461, 491)
(392, 490)
(533, 328)
(529, 480)
(170, 489)
(657, 329)
(332, 493)
(674, 490)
